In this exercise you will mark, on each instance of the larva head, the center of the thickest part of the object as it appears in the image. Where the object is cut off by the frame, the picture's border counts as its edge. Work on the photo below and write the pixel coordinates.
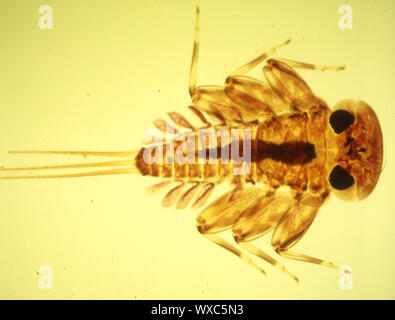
(355, 151)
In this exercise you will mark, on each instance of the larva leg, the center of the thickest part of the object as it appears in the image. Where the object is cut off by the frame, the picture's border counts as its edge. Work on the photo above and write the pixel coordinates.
(223, 213)
(259, 253)
(291, 228)
(195, 54)
(216, 103)
(302, 257)
(221, 242)
(211, 99)
(255, 98)
(257, 220)
(303, 65)
(253, 63)
(289, 85)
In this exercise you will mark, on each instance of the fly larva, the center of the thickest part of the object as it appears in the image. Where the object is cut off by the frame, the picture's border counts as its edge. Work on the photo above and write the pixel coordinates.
(292, 139)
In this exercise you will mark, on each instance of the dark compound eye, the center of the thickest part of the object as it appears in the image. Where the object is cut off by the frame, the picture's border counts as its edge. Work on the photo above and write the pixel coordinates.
(340, 179)
(340, 120)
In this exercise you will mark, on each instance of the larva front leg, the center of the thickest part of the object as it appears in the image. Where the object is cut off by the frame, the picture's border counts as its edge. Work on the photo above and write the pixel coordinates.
(209, 99)
(289, 85)
(242, 99)
(254, 98)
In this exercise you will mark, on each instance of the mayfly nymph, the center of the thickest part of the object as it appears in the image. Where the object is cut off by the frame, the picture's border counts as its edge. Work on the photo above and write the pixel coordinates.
(263, 137)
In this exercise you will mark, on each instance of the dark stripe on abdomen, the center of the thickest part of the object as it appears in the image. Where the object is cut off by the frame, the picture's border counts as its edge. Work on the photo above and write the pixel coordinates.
(287, 152)
(293, 153)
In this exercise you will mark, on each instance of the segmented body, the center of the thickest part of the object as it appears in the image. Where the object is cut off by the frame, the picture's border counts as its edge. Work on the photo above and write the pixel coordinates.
(288, 150)
(291, 144)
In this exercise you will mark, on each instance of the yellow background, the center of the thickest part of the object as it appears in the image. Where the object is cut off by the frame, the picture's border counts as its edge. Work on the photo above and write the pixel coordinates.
(99, 79)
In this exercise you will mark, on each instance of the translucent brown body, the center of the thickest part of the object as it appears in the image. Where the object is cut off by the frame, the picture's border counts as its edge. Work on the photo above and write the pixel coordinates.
(292, 145)
(296, 142)
(283, 158)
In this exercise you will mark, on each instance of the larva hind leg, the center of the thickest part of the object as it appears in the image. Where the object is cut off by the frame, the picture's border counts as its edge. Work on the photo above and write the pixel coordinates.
(259, 253)
(224, 244)
(291, 228)
(257, 220)
(221, 215)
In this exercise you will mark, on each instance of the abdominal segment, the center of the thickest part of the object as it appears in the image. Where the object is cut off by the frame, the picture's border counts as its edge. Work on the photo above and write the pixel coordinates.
(247, 156)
